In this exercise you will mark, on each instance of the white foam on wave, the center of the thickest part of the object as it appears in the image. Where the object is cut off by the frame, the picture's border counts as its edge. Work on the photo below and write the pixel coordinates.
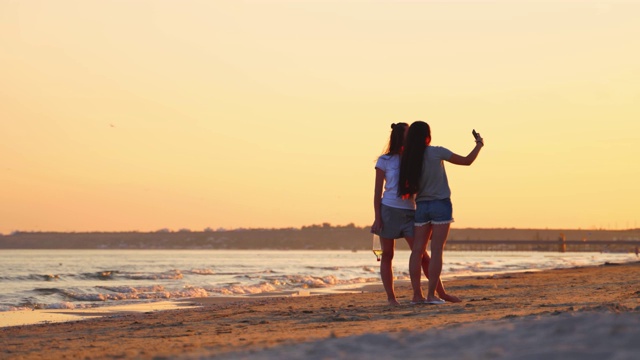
(192, 292)
(65, 305)
(133, 290)
(245, 289)
(289, 282)
(203, 272)
(120, 293)
(62, 305)
(173, 275)
(13, 308)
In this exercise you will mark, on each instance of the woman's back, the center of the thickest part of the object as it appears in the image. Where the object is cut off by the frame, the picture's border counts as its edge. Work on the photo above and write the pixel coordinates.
(434, 184)
(390, 164)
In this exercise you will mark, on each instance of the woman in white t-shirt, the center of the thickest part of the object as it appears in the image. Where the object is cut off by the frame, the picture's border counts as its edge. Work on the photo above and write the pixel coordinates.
(394, 216)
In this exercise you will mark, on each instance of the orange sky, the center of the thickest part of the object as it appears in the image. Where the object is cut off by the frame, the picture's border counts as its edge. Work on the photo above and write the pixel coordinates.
(142, 115)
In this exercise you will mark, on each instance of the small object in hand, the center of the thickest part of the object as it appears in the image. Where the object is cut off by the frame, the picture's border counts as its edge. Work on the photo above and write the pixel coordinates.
(377, 246)
(477, 136)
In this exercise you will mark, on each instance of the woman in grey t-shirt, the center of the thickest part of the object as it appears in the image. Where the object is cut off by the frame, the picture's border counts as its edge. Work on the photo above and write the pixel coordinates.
(422, 174)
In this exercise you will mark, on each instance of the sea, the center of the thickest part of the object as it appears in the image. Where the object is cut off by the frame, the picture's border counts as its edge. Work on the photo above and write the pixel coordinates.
(80, 279)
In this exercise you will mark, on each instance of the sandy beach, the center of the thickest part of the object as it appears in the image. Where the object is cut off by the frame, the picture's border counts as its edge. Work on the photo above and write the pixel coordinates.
(577, 313)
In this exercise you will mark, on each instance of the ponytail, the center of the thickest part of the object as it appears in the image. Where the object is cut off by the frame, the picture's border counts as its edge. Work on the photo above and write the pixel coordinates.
(396, 139)
(412, 159)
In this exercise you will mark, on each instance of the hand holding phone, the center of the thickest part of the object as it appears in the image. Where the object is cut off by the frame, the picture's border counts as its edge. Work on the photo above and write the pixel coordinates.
(477, 136)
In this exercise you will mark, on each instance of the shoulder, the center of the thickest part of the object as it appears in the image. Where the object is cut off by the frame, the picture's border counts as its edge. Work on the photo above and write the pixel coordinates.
(387, 157)
(438, 148)
(383, 160)
(441, 152)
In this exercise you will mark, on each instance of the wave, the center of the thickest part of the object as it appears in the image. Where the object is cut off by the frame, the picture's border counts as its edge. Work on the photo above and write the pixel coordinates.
(100, 275)
(51, 288)
(334, 267)
(73, 298)
(107, 275)
(33, 277)
(13, 308)
(169, 275)
(202, 271)
(48, 291)
(288, 283)
(121, 293)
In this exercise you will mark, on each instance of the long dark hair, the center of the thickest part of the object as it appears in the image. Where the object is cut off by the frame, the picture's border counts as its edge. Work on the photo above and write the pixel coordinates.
(396, 139)
(412, 158)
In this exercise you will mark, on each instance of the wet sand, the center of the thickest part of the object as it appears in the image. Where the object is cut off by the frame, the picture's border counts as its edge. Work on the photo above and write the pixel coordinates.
(589, 312)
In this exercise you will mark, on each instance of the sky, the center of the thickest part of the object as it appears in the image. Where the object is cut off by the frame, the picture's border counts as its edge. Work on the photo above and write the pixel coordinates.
(156, 114)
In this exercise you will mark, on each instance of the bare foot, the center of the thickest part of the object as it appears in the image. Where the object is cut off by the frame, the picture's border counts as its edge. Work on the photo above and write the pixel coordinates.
(434, 301)
(450, 298)
(393, 302)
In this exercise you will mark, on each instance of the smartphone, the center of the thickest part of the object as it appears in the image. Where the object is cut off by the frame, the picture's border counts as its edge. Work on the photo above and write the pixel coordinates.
(475, 134)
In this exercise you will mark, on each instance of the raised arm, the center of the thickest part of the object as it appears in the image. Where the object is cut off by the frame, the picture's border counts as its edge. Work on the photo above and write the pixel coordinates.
(469, 159)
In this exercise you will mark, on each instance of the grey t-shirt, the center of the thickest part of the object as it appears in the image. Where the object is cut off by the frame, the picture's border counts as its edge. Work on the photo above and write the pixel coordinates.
(433, 181)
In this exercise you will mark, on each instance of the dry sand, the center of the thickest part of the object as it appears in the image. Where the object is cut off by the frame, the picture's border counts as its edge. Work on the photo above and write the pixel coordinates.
(579, 313)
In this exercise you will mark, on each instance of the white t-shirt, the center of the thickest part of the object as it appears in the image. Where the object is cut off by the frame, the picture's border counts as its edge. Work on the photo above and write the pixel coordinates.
(390, 164)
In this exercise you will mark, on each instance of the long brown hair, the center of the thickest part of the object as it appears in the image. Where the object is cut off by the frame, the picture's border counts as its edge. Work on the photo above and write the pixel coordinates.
(412, 158)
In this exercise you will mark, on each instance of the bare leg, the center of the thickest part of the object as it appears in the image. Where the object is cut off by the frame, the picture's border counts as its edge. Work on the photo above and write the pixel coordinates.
(386, 269)
(425, 268)
(439, 287)
(439, 238)
(425, 257)
(415, 261)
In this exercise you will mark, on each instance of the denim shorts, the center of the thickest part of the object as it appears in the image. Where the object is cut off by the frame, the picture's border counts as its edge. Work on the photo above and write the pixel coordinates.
(396, 223)
(434, 212)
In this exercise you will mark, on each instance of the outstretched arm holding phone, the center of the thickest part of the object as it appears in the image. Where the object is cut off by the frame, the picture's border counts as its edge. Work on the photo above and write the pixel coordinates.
(469, 159)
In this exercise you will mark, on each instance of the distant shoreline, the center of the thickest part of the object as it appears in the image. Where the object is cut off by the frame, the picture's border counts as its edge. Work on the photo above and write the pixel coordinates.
(321, 237)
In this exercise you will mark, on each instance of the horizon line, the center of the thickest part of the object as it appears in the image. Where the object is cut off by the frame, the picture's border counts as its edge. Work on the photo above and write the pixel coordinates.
(321, 226)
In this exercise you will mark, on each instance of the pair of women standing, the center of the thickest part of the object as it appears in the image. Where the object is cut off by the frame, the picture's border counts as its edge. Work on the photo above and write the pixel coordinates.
(412, 172)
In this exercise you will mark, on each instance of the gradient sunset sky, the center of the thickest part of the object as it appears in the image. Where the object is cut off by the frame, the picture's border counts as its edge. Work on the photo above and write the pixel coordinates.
(143, 115)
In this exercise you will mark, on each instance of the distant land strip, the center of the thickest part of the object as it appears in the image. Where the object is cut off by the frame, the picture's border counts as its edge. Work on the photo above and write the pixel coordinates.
(327, 237)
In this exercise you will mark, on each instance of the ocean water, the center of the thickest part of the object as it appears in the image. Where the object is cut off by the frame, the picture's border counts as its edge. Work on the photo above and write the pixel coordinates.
(71, 279)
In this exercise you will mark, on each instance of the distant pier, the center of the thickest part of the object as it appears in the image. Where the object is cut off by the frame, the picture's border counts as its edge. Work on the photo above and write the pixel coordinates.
(613, 246)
